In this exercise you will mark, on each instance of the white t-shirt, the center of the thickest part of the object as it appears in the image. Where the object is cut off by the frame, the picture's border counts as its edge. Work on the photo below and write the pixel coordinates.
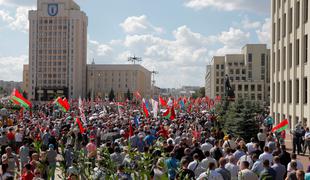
(196, 167)
(299, 166)
(211, 175)
(265, 156)
(18, 137)
(233, 169)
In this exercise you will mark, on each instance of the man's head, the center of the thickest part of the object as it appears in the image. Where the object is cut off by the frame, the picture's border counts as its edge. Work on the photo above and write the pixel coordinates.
(245, 165)
(222, 162)
(211, 166)
(266, 149)
(294, 165)
(196, 156)
(266, 163)
(276, 159)
(293, 156)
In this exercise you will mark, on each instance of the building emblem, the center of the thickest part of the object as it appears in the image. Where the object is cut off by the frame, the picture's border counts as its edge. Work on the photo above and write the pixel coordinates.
(52, 9)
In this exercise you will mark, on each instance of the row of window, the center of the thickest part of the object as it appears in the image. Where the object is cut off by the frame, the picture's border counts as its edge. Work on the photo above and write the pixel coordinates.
(289, 94)
(284, 60)
(290, 18)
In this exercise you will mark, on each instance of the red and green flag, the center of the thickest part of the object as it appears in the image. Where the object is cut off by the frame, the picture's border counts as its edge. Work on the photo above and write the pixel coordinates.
(170, 113)
(79, 123)
(162, 102)
(19, 99)
(145, 110)
(63, 105)
(281, 127)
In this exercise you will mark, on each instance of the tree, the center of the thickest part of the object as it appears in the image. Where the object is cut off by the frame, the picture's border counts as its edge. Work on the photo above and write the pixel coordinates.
(111, 95)
(202, 92)
(240, 119)
(128, 95)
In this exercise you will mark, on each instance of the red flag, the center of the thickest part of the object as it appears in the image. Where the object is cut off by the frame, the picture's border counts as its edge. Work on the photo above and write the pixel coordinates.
(21, 113)
(218, 99)
(138, 95)
(66, 103)
(146, 112)
(166, 113)
(82, 130)
(172, 115)
(196, 134)
(162, 102)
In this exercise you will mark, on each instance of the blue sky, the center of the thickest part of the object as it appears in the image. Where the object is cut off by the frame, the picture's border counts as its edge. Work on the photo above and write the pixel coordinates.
(175, 37)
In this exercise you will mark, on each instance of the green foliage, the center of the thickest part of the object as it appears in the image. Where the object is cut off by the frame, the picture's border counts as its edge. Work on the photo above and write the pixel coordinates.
(240, 119)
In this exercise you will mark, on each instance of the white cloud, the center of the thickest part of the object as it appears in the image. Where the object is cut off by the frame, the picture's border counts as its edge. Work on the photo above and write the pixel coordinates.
(18, 2)
(19, 21)
(12, 67)
(234, 37)
(230, 5)
(248, 24)
(139, 25)
(264, 33)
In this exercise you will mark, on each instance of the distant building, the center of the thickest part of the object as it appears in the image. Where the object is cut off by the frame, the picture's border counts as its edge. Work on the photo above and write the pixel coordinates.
(101, 78)
(57, 50)
(25, 85)
(290, 67)
(186, 91)
(248, 73)
(6, 87)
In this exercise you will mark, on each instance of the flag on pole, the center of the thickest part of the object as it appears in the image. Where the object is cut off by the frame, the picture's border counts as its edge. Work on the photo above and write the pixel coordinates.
(79, 123)
(155, 108)
(18, 99)
(170, 113)
(281, 127)
(61, 104)
(66, 103)
(130, 132)
(162, 102)
(145, 111)
(81, 108)
(138, 95)
(120, 108)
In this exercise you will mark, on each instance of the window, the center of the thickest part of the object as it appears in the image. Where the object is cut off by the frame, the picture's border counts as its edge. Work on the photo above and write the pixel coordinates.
(305, 91)
(284, 25)
(237, 71)
(278, 60)
(297, 14)
(290, 91)
(279, 29)
(284, 58)
(305, 11)
(237, 78)
(252, 87)
(278, 92)
(290, 20)
(290, 54)
(259, 87)
(306, 49)
(297, 52)
(259, 97)
(217, 66)
(249, 57)
(273, 32)
(250, 74)
(297, 91)
(283, 92)
(246, 87)
(252, 96)
(263, 57)
(239, 87)
(222, 66)
(273, 62)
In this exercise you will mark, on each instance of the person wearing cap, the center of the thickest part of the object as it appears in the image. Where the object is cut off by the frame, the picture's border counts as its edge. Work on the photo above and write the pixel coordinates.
(10, 159)
(51, 155)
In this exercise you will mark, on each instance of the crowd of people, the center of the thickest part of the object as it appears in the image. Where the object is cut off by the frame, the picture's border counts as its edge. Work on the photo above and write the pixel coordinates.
(191, 146)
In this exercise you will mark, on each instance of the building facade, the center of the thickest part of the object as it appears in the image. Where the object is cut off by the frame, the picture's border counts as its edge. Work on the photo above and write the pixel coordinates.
(248, 73)
(6, 87)
(57, 50)
(101, 78)
(25, 85)
(290, 70)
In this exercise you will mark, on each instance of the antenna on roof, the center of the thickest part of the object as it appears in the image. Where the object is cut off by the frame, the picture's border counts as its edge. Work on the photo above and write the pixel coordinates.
(134, 59)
